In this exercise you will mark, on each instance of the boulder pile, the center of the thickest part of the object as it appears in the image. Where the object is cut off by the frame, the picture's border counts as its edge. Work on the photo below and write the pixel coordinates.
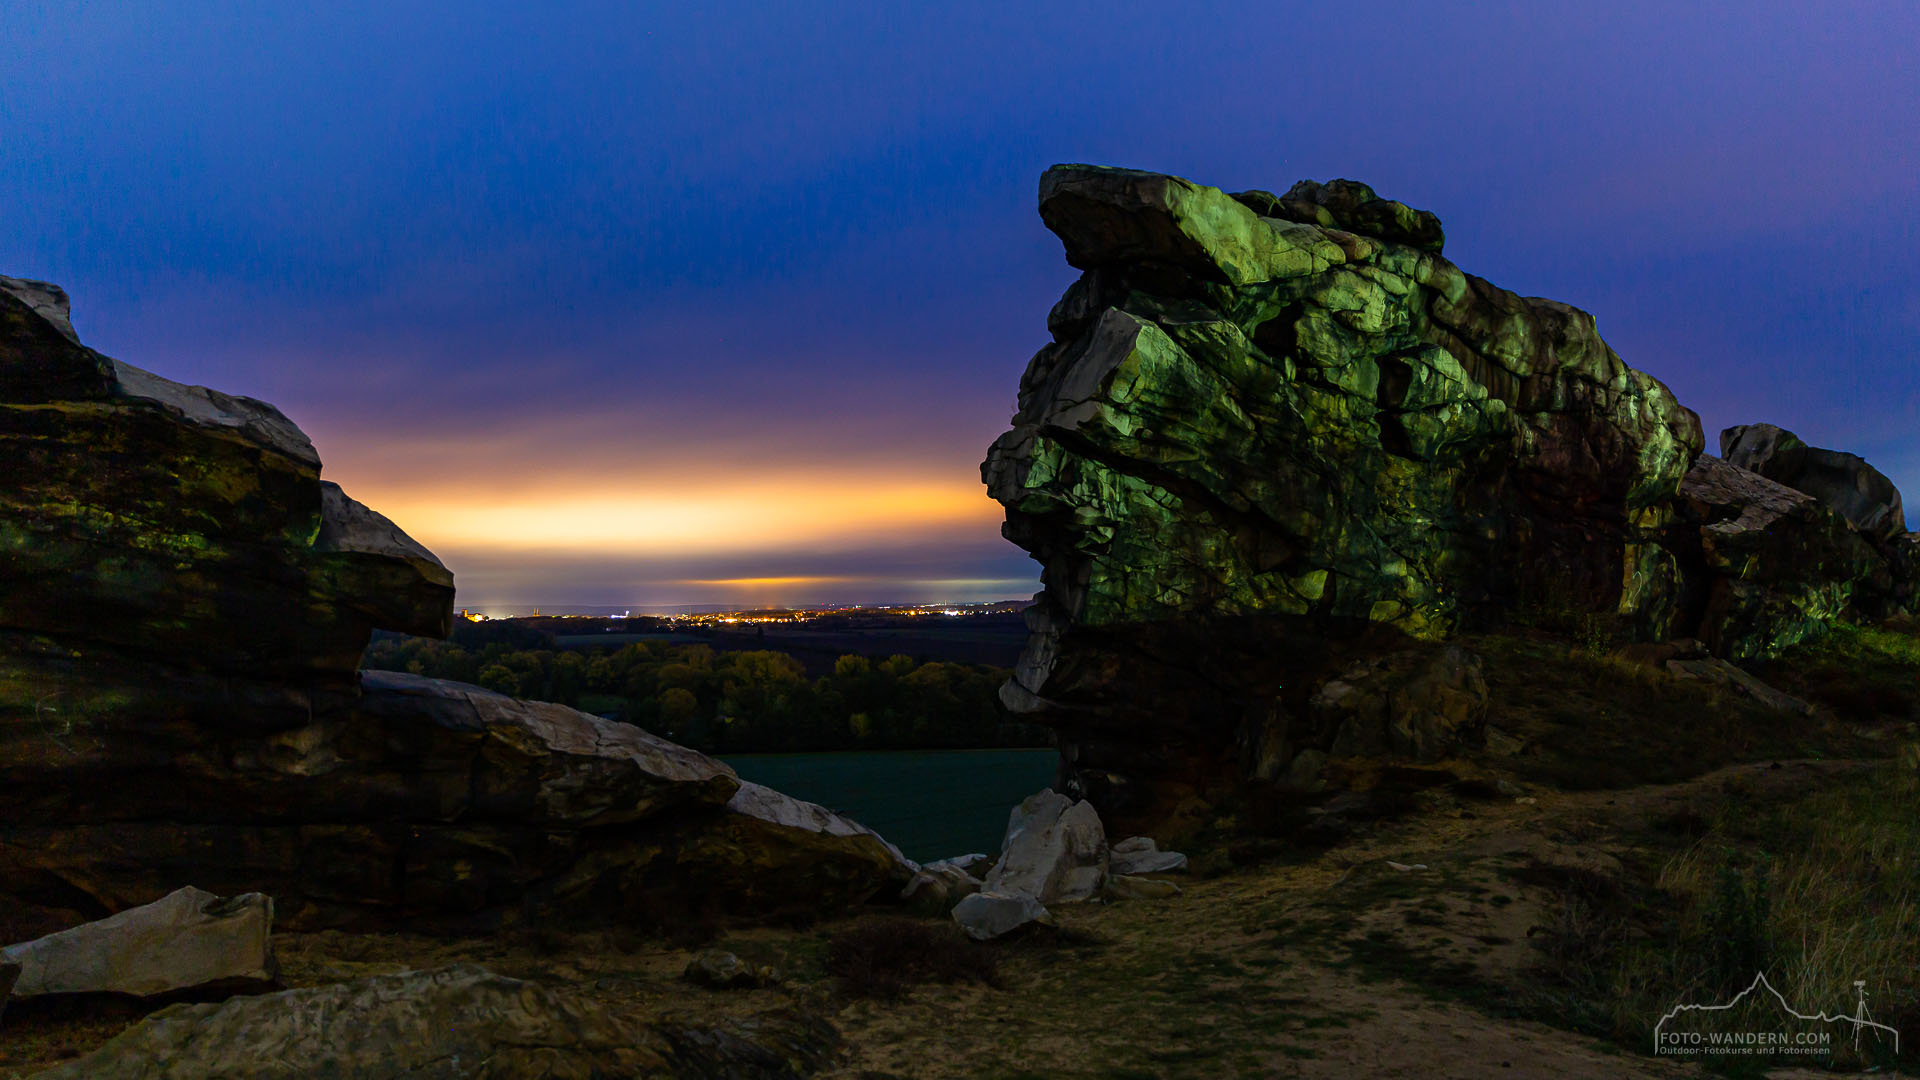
(1276, 435)
(1056, 851)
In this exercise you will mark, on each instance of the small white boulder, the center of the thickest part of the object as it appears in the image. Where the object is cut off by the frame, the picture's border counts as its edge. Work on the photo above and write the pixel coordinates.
(1055, 849)
(988, 915)
(1140, 855)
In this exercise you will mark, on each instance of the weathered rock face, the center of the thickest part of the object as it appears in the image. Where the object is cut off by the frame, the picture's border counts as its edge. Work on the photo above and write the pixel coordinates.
(1843, 482)
(1262, 419)
(1762, 565)
(189, 939)
(443, 802)
(183, 607)
(449, 1023)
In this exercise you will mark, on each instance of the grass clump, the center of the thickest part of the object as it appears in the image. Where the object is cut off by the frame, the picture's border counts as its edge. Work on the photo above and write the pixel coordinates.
(884, 956)
(1816, 894)
(1865, 674)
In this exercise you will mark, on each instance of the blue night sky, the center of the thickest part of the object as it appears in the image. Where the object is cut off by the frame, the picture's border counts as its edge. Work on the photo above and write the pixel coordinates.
(638, 303)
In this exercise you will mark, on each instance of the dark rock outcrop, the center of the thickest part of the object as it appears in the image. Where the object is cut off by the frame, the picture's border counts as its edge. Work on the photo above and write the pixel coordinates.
(183, 608)
(1843, 482)
(1763, 565)
(1853, 491)
(450, 1022)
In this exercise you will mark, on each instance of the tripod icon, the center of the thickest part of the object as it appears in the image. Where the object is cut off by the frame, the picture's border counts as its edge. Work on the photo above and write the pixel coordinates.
(1861, 1018)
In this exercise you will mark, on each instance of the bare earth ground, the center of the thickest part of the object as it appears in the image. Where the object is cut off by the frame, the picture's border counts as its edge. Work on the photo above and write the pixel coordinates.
(1272, 971)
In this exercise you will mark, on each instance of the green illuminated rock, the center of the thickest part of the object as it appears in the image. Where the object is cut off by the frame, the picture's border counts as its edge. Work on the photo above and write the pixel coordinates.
(1771, 566)
(1271, 431)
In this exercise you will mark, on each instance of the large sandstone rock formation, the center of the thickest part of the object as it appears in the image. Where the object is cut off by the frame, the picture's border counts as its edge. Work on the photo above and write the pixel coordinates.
(1263, 416)
(183, 607)
(1270, 431)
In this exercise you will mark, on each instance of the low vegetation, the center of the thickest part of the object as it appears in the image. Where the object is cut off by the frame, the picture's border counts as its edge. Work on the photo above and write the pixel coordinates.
(1591, 720)
(1865, 673)
(1817, 892)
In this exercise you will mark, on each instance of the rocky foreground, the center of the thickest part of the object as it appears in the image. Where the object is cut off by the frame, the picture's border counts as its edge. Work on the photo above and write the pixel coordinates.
(1422, 947)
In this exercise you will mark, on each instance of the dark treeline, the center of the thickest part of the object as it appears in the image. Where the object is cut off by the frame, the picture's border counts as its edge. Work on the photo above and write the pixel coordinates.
(750, 701)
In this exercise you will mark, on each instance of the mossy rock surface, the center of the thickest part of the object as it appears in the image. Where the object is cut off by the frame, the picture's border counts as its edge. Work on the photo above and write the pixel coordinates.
(1263, 421)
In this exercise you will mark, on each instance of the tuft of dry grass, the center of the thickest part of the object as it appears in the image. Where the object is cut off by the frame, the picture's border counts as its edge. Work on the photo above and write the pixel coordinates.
(1816, 893)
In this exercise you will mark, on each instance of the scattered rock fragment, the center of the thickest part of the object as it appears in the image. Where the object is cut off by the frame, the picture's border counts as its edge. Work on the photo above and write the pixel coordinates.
(937, 886)
(1141, 855)
(1721, 673)
(1504, 743)
(1655, 654)
(976, 863)
(988, 915)
(1132, 887)
(717, 969)
(189, 939)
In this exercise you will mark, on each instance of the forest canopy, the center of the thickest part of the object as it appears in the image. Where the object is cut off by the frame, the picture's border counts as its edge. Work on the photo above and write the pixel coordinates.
(747, 701)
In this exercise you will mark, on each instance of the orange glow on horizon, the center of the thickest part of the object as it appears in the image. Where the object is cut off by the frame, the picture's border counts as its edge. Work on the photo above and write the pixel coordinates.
(766, 582)
(637, 516)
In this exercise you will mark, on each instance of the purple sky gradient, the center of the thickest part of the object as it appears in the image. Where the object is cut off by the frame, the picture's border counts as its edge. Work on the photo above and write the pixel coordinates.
(787, 252)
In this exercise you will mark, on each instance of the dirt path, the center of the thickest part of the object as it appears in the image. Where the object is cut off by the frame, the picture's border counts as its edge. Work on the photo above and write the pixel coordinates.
(1236, 976)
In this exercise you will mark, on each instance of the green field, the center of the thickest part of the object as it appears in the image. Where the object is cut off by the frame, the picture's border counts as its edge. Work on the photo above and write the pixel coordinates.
(933, 804)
